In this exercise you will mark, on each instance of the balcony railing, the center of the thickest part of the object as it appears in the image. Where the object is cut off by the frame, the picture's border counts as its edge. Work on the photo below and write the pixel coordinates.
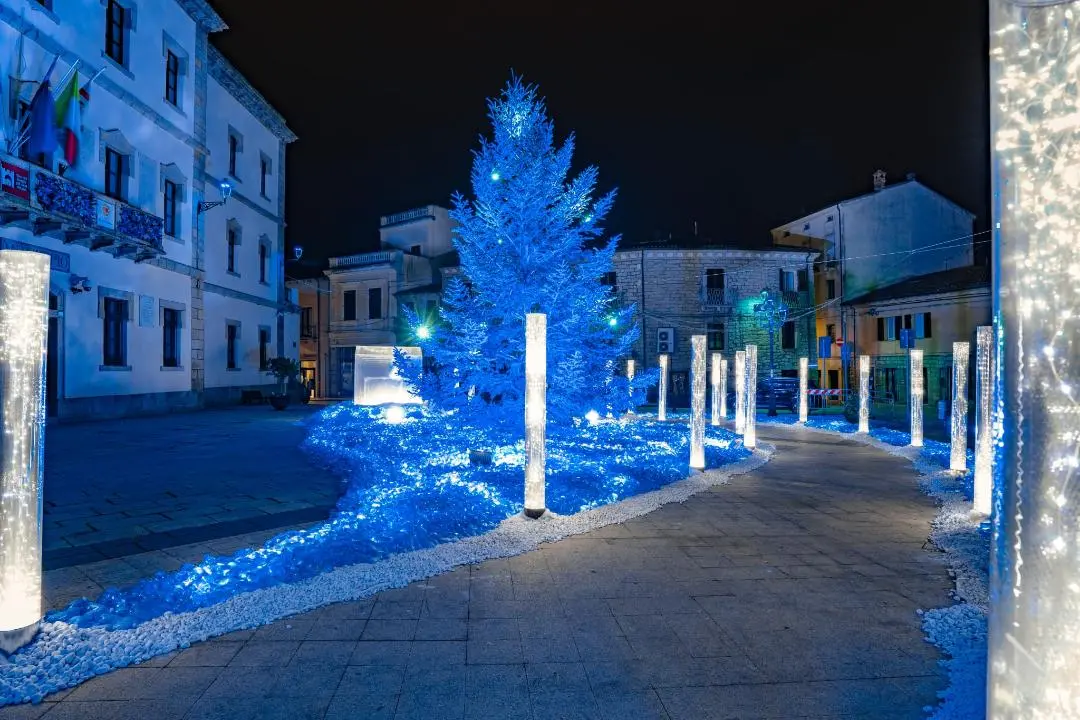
(718, 297)
(796, 298)
(58, 207)
(415, 214)
(382, 257)
(307, 332)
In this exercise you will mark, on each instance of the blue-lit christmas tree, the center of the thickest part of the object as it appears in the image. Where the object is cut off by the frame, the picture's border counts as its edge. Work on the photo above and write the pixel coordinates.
(530, 240)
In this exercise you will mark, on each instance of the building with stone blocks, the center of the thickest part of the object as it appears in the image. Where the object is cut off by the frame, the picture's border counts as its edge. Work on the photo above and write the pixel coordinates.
(313, 296)
(157, 302)
(870, 241)
(369, 291)
(681, 292)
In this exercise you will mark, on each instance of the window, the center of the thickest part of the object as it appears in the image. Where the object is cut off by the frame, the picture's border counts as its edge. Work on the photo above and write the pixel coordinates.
(830, 331)
(834, 379)
(232, 340)
(264, 170)
(264, 348)
(170, 337)
(609, 279)
(714, 279)
(907, 322)
(264, 261)
(888, 328)
(715, 334)
(788, 282)
(787, 335)
(307, 323)
(115, 32)
(172, 78)
(374, 303)
(922, 325)
(414, 250)
(802, 280)
(234, 149)
(170, 209)
(830, 286)
(232, 239)
(115, 332)
(114, 173)
(348, 307)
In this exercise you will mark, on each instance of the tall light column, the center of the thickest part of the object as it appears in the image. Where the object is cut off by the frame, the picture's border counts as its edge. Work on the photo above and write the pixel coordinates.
(630, 370)
(864, 394)
(723, 388)
(958, 437)
(535, 413)
(719, 387)
(24, 326)
(750, 390)
(804, 383)
(697, 402)
(915, 397)
(661, 400)
(740, 391)
(1034, 643)
(984, 398)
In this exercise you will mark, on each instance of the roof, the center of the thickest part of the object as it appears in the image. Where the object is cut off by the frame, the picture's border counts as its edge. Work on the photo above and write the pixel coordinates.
(969, 277)
(201, 12)
(429, 289)
(237, 85)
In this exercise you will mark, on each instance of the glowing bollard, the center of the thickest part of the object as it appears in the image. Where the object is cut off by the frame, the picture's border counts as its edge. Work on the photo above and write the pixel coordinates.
(916, 397)
(697, 402)
(719, 388)
(661, 400)
(750, 389)
(864, 394)
(984, 398)
(804, 382)
(535, 413)
(740, 391)
(24, 324)
(958, 435)
(1034, 627)
(630, 370)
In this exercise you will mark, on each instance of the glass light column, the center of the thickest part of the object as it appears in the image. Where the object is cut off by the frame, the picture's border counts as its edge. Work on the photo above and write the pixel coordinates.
(750, 429)
(958, 436)
(719, 388)
(740, 391)
(661, 400)
(535, 413)
(804, 382)
(630, 370)
(1034, 642)
(984, 398)
(864, 394)
(24, 326)
(915, 397)
(697, 402)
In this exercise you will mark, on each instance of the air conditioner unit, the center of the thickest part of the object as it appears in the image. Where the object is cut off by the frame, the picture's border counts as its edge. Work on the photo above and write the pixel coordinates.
(665, 340)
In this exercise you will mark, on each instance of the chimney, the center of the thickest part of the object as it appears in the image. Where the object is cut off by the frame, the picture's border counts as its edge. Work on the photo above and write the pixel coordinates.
(879, 180)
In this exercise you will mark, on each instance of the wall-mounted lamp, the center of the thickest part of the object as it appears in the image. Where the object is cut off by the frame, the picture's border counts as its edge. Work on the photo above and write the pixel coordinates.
(297, 251)
(226, 193)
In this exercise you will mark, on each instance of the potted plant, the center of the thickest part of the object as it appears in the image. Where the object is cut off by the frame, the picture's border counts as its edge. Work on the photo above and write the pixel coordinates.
(285, 370)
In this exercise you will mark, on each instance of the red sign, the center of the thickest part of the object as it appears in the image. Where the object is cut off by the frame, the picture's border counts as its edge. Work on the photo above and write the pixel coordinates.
(16, 179)
(840, 342)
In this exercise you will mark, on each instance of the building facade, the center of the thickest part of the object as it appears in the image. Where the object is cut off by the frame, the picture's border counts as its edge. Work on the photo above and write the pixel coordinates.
(894, 232)
(152, 306)
(679, 293)
(369, 291)
(313, 296)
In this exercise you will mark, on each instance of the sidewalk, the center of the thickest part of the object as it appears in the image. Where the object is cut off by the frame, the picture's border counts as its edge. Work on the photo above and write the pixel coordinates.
(790, 593)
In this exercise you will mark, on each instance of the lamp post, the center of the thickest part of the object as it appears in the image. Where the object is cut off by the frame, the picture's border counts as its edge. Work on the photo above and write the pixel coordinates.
(771, 313)
(697, 402)
(535, 414)
(226, 193)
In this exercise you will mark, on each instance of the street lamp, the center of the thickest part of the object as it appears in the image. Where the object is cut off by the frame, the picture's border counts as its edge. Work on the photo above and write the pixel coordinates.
(771, 313)
(226, 193)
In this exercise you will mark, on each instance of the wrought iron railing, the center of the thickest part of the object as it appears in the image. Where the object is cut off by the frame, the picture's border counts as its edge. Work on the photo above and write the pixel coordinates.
(406, 216)
(361, 259)
(718, 297)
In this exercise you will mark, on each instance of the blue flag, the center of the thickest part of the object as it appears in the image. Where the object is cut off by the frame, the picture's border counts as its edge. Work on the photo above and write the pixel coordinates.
(42, 118)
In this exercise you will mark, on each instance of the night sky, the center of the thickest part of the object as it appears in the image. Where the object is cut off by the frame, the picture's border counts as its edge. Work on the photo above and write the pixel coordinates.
(740, 118)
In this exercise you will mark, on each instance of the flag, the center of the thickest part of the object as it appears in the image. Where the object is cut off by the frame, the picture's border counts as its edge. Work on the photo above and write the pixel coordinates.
(42, 117)
(84, 91)
(69, 119)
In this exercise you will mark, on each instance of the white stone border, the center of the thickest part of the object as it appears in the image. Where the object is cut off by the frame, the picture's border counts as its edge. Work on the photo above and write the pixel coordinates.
(65, 655)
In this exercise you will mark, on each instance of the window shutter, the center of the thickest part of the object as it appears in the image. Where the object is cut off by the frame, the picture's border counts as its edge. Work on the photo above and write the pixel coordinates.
(802, 279)
(881, 329)
(781, 280)
(907, 322)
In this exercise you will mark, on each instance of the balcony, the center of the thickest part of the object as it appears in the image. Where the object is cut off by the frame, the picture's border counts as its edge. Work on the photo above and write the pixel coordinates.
(53, 206)
(796, 298)
(428, 211)
(307, 332)
(382, 257)
(716, 298)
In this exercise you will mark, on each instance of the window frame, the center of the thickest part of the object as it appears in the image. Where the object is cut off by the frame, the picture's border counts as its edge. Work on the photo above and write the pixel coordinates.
(117, 173)
(232, 346)
(171, 324)
(784, 330)
(712, 332)
(170, 193)
(264, 263)
(232, 241)
(114, 315)
(264, 348)
(711, 275)
(116, 22)
(375, 310)
(172, 78)
(348, 308)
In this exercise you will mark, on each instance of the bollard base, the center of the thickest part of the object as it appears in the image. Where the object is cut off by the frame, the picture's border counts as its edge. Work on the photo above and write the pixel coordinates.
(12, 640)
(534, 514)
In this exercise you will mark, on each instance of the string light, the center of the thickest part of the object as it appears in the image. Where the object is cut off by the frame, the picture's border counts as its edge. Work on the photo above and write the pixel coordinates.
(916, 397)
(804, 382)
(423, 332)
(661, 399)
(750, 390)
(984, 441)
(24, 322)
(1034, 646)
(864, 394)
(535, 413)
(697, 402)
(719, 388)
(740, 392)
(958, 440)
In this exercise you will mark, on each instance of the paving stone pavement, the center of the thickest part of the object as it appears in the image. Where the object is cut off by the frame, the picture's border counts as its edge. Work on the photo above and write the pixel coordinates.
(137, 485)
(790, 593)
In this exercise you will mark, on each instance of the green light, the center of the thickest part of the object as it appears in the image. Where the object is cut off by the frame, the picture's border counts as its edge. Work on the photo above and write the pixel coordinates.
(612, 322)
(423, 332)
(495, 176)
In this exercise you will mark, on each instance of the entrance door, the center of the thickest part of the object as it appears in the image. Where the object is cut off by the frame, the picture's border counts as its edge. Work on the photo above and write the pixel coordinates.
(52, 361)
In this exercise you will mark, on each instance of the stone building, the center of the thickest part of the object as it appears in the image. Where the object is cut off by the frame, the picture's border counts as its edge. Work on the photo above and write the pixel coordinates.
(313, 292)
(158, 301)
(682, 292)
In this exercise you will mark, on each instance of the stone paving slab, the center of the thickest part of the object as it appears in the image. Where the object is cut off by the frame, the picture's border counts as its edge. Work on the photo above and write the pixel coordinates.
(790, 593)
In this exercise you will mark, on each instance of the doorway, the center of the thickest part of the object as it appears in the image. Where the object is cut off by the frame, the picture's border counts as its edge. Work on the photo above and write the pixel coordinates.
(53, 359)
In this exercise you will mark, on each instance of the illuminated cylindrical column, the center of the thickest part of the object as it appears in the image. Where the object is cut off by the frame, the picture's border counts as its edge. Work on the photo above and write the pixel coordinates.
(24, 325)
(630, 370)
(740, 391)
(723, 388)
(719, 387)
(916, 397)
(697, 402)
(1034, 644)
(804, 383)
(661, 400)
(535, 413)
(864, 393)
(750, 389)
(984, 398)
(958, 436)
